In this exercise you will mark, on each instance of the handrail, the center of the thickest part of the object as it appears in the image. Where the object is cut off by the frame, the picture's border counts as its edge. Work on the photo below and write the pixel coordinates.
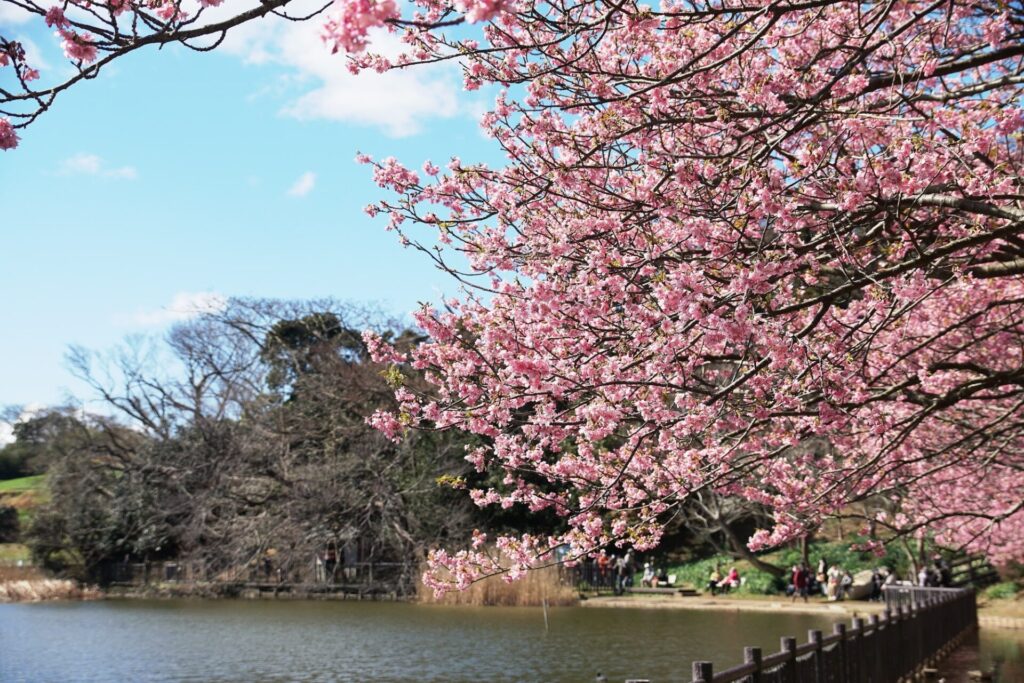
(925, 623)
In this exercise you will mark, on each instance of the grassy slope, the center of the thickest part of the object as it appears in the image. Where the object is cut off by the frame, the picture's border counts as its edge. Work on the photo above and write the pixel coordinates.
(34, 484)
(10, 553)
(25, 494)
(696, 573)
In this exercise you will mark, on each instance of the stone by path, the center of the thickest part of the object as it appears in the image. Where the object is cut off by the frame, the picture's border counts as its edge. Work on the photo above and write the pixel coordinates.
(993, 621)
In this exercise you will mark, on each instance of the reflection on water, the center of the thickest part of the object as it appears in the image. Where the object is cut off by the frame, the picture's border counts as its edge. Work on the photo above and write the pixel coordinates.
(263, 642)
(1002, 651)
(195, 640)
(998, 652)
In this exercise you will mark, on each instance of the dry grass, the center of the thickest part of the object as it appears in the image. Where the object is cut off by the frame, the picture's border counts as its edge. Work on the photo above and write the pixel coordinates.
(13, 573)
(530, 591)
(11, 553)
(36, 590)
(1002, 608)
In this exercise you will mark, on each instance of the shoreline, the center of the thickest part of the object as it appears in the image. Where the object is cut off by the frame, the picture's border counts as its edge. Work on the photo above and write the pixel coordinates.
(846, 608)
(45, 590)
(857, 608)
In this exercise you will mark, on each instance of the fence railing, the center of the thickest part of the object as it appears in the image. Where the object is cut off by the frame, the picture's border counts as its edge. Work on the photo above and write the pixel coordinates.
(909, 596)
(364, 574)
(924, 624)
(972, 570)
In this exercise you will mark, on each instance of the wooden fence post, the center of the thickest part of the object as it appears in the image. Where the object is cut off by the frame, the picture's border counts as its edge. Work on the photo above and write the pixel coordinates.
(840, 630)
(898, 640)
(752, 655)
(857, 650)
(789, 647)
(877, 652)
(703, 672)
(814, 636)
(888, 645)
(892, 648)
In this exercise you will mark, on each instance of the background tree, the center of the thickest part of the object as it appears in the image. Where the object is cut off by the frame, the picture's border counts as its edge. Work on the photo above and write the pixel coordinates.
(39, 439)
(246, 433)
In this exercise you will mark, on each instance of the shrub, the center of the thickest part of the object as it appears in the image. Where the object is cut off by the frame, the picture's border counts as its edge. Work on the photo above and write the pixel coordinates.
(761, 583)
(1007, 590)
(10, 526)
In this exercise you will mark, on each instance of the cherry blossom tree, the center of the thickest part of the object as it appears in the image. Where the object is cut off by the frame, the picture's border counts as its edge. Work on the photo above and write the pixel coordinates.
(725, 231)
(767, 249)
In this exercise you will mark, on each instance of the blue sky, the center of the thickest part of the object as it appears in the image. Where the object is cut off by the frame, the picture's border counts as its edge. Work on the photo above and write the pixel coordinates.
(177, 175)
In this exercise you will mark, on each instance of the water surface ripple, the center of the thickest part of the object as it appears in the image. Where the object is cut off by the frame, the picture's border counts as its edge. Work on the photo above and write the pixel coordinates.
(276, 641)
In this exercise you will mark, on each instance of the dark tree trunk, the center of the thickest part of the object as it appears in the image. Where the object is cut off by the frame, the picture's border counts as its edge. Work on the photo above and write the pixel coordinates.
(740, 550)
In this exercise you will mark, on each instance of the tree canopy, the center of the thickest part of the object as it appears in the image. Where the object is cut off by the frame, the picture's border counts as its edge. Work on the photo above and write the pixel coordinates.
(208, 456)
(768, 249)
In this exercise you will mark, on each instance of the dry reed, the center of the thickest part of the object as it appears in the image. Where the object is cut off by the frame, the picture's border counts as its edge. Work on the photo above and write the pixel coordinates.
(530, 591)
(36, 590)
(15, 573)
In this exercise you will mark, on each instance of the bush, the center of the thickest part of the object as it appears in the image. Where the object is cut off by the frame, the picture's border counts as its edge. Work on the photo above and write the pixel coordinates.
(1007, 590)
(836, 554)
(761, 583)
(10, 526)
(755, 581)
(696, 573)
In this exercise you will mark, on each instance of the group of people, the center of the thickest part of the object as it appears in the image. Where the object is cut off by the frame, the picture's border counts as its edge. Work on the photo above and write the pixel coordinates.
(616, 571)
(717, 584)
(832, 582)
(938, 575)
(654, 577)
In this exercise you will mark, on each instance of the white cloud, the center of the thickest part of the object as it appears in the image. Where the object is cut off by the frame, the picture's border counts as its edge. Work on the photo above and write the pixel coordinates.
(33, 55)
(183, 306)
(303, 186)
(11, 15)
(124, 173)
(397, 101)
(27, 413)
(90, 164)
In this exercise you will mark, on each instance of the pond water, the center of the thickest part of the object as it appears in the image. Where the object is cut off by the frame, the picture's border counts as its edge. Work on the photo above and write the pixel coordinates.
(996, 651)
(264, 641)
(270, 641)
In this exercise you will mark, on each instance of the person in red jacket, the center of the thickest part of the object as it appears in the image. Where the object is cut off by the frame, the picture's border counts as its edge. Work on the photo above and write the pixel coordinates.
(801, 581)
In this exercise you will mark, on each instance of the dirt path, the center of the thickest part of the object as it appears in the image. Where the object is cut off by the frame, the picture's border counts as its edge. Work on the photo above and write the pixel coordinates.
(850, 608)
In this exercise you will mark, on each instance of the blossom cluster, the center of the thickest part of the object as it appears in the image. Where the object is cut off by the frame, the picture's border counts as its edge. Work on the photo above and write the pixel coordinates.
(769, 251)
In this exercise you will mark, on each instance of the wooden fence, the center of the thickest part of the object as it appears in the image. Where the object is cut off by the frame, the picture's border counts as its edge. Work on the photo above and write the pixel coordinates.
(357, 578)
(972, 570)
(922, 627)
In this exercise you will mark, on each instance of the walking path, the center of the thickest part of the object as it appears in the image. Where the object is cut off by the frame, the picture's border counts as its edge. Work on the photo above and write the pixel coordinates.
(768, 604)
(737, 604)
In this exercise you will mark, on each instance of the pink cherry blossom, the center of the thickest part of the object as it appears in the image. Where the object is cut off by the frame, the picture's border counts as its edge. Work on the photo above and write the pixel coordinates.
(348, 29)
(78, 46)
(8, 137)
(55, 17)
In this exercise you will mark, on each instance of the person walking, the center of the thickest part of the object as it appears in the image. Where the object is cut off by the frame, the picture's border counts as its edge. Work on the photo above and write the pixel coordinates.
(801, 579)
